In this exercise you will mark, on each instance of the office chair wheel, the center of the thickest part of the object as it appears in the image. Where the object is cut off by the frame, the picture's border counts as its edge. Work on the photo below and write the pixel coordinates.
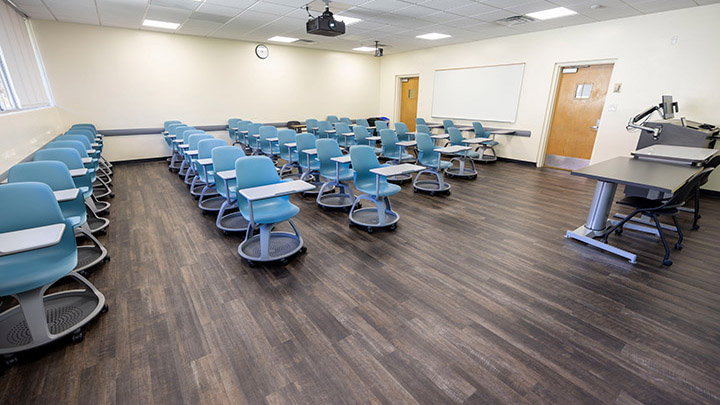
(370, 229)
(77, 336)
(303, 249)
(226, 233)
(432, 193)
(667, 262)
(415, 190)
(350, 224)
(393, 226)
(322, 207)
(678, 246)
(112, 195)
(106, 259)
(85, 273)
(450, 176)
(284, 261)
(104, 309)
(102, 231)
(346, 209)
(618, 231)
(473, 177)
(251, 263)
(695, 227)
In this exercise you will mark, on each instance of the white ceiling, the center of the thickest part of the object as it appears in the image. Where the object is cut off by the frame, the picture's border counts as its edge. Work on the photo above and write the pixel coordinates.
(393, 22)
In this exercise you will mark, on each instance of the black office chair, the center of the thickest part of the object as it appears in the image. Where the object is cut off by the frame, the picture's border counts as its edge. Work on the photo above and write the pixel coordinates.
(713, 163)
(655, 208)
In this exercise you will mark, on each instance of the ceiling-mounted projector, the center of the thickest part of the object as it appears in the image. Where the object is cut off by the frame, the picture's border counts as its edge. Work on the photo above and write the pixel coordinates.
(325, 24)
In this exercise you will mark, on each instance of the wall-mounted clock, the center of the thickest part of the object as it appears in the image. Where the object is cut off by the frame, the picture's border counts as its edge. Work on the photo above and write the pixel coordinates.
(262, 51)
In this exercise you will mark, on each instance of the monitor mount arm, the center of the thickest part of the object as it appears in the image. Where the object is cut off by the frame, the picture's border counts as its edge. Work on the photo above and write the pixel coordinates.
(635, 122)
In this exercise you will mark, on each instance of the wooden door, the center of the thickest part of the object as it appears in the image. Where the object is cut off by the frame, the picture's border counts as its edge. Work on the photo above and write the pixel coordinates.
(578, 107)
(408, 101)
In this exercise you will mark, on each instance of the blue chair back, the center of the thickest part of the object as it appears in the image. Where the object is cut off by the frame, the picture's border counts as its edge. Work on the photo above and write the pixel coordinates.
(360, 134)
(447, 124)
(380, 125)
(479, 130)
(363, 160)
(363, 122)
(426, 150)
(455, 136)
(346, 120)
(195, 138)
(57, 176)
(389, 143)
(79, 138)
(325, 126)
(77, 145)
(254, 171)
(328, 149)
(286, 136)
(311, 123)
(85, 125)
(27, 205)
(267, 131)
(233, 127)
(224, 158)
(422, 128)
(205, 147)
(341, 128)
(253, 128)
(332, 119)
(69, 156)
(305, 141)
(401, 130)
(187, 132)
(420, 121)
(166, 124)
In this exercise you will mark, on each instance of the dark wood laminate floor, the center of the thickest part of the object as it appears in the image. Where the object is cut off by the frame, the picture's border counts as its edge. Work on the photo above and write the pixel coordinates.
(475, 298)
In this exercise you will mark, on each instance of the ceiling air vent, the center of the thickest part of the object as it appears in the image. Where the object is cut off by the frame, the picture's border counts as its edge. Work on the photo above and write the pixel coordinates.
(515, 20)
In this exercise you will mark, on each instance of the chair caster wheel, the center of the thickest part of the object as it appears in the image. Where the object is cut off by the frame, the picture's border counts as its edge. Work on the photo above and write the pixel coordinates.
(106, 259)
(369, 229)
(10, 360)
(104, 309)
(102, 232)
(303, 249)
(84, 273)
(432, 193)
(251, 263)
(346, 209)
(112, 195)
(667, 262)
(77, 336)
(473, 177)
(350, 224)
(393, 226)
(284, 261)
(415, 190)
(226, 233)
(448, 192)
(322, 207)
(695, 227)
(618, 232)
(678, 246)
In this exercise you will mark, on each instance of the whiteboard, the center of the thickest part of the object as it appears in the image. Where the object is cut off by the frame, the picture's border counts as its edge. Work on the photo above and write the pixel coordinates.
(487, 93)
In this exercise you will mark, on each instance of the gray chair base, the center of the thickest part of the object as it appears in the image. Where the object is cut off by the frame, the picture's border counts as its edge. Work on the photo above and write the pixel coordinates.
(382, 216)
(269, 245)
(39, 319)
(89, 255)
(462, 170)
(431, 186)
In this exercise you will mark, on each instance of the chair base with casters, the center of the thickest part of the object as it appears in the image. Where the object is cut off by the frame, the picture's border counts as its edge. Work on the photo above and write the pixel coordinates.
(232, 222)
(95, 206)
(312, 178)
(436, 186)
(97, 224)
(39, 319)
(641, 204)
(270, 245)
(286, 171)
(88, 256)
(382, 216)
(462, 170)
(175, 162)
(485, 157)
(328, 199)
(209, 199)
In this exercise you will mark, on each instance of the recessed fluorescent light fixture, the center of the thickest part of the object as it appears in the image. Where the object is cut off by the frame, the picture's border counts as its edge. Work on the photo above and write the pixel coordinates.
(433, 36)
(161, 24)
(551, 13)
(364, 49)
(287, 40)
(347, 20)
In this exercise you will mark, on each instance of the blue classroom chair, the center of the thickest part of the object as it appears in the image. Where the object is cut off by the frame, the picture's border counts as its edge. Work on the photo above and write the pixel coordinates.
(209, 200)
(288, 154)
(269, 149)
(253, 143)
(234, 130)
(326, 130)
(434, 166)
(332, 119)
(190, 173)
(489, 144)
(361, 134)
(375, 189)
(27, 274)
(344, 141)
(390, 150)
(270, 244)
(312, 126)
(228, 219)
(57, 176)
(309, 164)
(462, 158)
(335, 174)
(402, 131)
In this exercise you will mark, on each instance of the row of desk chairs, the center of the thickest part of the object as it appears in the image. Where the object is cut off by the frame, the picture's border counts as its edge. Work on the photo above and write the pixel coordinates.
(209, 164)
(44, 211)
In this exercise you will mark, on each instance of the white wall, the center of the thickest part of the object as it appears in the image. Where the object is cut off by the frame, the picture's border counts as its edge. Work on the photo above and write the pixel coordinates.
(121, 78)
(646, 63)
(23, 132)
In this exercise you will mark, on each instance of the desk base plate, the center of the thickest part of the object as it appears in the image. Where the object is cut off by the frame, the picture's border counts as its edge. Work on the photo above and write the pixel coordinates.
(584, 234)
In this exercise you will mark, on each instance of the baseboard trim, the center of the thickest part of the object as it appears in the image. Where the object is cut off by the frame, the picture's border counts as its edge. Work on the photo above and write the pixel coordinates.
(143, 160)
(710, 193)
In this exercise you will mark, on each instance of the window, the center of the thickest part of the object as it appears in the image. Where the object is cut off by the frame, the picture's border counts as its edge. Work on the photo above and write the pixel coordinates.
(583, 91)
(22, 80)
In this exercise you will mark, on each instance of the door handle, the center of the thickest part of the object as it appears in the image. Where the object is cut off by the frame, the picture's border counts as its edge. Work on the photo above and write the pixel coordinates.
(596, 126)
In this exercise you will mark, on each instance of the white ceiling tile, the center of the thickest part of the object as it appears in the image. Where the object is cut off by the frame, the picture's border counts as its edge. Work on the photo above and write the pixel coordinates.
(662, 5)
(444, 5)
(494, 15)
(77, 11)
(232, 3)
(121, 13)
(220, 10)
(181, 4)
(531, 7)
(198, 27)
(440, 17)
(415, 11)
(271, 8)
(473, 9)
(384, 5)
(168, 14)
(609, 13)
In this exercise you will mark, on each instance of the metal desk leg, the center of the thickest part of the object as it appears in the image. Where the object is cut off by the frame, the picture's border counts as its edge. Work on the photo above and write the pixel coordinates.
(597, 221)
